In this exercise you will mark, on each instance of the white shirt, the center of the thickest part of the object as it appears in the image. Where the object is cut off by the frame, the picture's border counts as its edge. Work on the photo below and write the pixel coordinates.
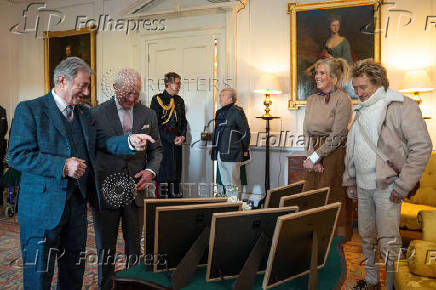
(121, 111)
(62, 105)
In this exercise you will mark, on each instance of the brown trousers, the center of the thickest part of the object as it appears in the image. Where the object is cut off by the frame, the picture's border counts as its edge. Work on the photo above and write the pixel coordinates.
(332, 177)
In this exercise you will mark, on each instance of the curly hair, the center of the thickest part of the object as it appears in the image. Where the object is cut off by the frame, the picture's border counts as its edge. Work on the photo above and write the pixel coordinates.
(373, 70)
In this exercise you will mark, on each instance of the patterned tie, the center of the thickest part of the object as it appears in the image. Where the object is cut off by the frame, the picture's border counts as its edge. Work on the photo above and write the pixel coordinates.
(69, 111)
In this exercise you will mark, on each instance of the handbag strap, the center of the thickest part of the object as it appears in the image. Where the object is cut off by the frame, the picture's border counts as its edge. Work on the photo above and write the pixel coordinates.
(372, 145)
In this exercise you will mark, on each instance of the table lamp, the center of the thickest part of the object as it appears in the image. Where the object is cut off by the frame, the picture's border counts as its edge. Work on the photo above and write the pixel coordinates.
(267, 84)
(416, 81)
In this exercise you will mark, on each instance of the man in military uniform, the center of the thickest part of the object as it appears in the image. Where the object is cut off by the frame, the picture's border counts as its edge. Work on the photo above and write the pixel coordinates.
(170, 111)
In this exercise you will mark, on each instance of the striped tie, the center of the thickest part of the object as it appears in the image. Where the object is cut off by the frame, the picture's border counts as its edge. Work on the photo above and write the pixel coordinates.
(69, 111)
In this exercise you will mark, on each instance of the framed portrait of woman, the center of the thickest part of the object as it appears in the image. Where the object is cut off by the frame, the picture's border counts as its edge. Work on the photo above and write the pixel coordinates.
(346, 29)
(59, 45)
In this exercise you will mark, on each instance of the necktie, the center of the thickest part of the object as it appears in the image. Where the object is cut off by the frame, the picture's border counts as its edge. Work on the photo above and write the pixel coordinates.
(126, 122)
(69, 111)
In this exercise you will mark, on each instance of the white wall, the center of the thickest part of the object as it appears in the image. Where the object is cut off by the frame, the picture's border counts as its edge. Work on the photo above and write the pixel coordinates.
(261, 44)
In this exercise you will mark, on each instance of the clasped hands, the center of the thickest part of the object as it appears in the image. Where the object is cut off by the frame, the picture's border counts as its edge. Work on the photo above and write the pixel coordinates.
(179, 140)
(317, 167)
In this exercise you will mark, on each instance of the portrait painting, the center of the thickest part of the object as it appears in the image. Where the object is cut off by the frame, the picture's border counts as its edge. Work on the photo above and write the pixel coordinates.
(340, 29)
(59, 45)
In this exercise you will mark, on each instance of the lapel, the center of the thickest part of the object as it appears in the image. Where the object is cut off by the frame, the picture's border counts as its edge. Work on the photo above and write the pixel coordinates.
(55, 116)
(113, 118)
(84, 121)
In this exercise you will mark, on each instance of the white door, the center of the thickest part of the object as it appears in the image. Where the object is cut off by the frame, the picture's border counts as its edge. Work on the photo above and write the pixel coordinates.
(193, 59)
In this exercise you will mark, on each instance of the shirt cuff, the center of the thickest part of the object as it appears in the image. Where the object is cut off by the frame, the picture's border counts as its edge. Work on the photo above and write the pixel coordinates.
(130, 145)
(314, 157)
(151, 170)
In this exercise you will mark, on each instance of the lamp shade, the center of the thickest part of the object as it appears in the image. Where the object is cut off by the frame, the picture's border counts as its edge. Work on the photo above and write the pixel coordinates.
(268, 83)
(416, 81)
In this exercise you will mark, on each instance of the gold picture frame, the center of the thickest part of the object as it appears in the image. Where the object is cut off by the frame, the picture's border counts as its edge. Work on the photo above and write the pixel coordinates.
(61, 44)
(313, 17)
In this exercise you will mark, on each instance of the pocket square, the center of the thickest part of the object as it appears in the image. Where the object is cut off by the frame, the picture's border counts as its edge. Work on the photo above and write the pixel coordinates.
(145, 126)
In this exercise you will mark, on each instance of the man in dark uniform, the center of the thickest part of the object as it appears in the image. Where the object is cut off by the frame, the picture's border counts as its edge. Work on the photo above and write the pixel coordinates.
(170, 111)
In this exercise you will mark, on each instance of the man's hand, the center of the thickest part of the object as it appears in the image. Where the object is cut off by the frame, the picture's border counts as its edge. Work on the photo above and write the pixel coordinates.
(308, 164)
(352, 192)
(396, 197)
(179, 140)
(145, 178)
(74, 167)
(139, 141)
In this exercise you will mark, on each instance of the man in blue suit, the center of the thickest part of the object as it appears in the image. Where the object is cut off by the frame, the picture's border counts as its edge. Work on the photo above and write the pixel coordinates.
(53, 143)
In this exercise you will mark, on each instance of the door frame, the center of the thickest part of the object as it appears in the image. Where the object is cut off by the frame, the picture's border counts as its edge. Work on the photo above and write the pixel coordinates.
(215, 33)
(218, 33)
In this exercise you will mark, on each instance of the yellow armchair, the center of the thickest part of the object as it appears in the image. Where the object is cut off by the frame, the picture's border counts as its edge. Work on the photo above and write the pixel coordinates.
(419, 270)
(425, 199)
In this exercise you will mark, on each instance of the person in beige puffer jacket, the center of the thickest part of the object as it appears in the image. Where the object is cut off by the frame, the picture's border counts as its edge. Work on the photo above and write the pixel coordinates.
(388, 147)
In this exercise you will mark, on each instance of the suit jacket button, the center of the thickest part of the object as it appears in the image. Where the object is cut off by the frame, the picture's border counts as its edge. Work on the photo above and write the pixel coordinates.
(68, 147)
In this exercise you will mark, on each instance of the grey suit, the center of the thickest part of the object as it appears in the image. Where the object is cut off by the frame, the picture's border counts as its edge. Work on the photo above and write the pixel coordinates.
(106, 220)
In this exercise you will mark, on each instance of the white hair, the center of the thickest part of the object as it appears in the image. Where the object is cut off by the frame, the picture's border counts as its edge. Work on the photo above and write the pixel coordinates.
(233, 93)
(126, 75)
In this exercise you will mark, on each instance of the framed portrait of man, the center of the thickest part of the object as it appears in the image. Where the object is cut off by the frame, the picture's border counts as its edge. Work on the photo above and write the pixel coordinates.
(340, 29)
(59, 45)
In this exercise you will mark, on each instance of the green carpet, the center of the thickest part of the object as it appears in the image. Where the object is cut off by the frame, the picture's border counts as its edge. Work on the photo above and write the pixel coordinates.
(328, 276)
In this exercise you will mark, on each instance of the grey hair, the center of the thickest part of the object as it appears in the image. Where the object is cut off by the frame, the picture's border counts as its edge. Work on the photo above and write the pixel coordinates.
(69, 68)
(233, 93)
(126, 74)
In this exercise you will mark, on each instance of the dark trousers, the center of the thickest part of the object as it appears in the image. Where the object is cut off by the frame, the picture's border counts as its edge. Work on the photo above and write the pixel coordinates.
(66, 243)
(170, 172)
(106, 223)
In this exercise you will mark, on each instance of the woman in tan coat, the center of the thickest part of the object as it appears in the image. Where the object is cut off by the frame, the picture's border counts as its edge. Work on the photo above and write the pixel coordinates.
(328, 114)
